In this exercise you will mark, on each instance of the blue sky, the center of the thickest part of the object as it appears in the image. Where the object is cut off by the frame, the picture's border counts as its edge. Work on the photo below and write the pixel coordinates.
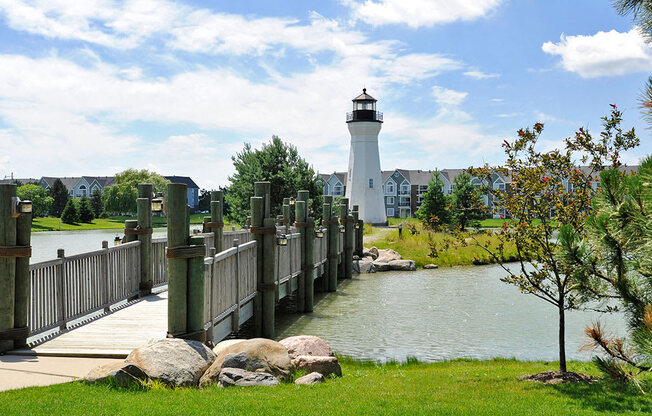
(98, 86)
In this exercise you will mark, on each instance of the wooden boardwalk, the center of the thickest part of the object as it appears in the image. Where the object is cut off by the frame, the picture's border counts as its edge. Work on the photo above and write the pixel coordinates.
(112, 336)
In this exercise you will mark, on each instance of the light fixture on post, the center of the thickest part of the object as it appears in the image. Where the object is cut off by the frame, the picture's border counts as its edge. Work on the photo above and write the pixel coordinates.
(157, 204)
(282, 240)
(357, 225)
(20, 207)
(292, 201)
(341, 228)
(319, 233)
(117, 241)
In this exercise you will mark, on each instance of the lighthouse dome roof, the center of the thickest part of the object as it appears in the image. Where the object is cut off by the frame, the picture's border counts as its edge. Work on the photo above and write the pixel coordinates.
(364, 96)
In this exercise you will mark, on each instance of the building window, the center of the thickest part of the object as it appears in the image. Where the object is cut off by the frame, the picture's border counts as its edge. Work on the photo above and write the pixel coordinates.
(390, 212)
(337, 190)
(423, 188)
(82, 190)
(389, 188)
(390, 200)
(405, 189)
(371, 183)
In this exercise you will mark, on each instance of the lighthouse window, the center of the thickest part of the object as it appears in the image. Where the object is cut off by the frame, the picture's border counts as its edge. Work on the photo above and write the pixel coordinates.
(371, 183)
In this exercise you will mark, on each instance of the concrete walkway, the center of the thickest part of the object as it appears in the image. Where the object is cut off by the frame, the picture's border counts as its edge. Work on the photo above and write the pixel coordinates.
(24, 371)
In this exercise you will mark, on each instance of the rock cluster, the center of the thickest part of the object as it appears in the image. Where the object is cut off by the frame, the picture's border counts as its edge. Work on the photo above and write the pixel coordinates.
(374, 260)
(254, 362)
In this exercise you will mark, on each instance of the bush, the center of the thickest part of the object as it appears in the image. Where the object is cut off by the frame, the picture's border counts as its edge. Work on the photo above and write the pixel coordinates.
(70, 213)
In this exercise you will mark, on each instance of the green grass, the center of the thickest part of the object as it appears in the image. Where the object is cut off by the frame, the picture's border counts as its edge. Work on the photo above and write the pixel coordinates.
(111, 223)
(415, 247)
(460, 387)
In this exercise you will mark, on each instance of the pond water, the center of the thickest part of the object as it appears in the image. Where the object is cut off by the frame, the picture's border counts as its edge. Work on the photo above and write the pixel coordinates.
(441, 314)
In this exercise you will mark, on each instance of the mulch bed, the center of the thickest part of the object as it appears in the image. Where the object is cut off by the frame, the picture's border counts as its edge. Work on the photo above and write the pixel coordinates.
(557, 377)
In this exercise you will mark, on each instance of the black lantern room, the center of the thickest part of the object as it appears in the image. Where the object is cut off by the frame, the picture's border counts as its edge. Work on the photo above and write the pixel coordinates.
(364, 109)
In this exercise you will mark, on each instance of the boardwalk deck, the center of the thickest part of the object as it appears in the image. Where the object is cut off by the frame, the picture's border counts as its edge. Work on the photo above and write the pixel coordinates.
(112, 336)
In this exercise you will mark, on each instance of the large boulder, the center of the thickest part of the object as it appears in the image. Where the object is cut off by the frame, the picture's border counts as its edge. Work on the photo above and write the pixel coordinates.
(312, 378)
(222, 345)
(257, 355)
(103, 372)
(403, 265)
(364, 265)
(382, 266)
(388, 255)
(323, 365)
(239, 377)
(173, 361)
(370, 252)
(306, 345)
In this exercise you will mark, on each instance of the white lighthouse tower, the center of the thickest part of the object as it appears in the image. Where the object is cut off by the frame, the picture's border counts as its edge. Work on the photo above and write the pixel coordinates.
(364, 181)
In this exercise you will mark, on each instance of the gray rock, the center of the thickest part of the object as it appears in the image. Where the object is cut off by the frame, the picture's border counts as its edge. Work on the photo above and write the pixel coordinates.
(381, 266)
(239, 377)
(430, 266)
(370, 252)
(238, 360)
(388, 255)
(262, 355)
(312, 378)
(306, 345)
(364, 265)
(173, 361)
(323, 365)
(403, 265)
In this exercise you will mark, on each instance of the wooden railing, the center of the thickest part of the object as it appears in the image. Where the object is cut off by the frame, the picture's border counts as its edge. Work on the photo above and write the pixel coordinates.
(69, 288)
(288, 264)
(229, 289)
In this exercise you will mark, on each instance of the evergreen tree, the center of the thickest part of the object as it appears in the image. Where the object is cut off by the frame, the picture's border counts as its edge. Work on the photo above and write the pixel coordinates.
(96, 203)
(466, 204)
(59, 194)
(85, 210)
(434, 208)
(279, 163)
(70, 214)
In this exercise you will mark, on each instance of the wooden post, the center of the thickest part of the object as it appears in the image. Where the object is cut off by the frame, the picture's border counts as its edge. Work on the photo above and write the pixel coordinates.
(177, 202)
(326, 209)
(300, 215)
(333, 239)
(257, 210)
(106, 296)
(360, 237)
(23, 238)
(131, 224)
(357, 251)
(204, 228)
(310, 264)
(236, 314)
(286, 215)
(196, 290)
(217, 208)
(269, 286)
(145, 192)
(264, 189)
(62, 311)
(7, 265)
(347, 221)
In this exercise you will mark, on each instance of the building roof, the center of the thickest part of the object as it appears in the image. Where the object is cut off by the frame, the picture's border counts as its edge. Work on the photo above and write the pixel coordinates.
(364, 96)
(182, 179)
(69, 182)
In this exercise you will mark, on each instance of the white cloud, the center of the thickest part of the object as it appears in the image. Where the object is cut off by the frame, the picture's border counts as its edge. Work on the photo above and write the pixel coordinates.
(480, 75)
(418, 13)
(603, 54)
(445, 96)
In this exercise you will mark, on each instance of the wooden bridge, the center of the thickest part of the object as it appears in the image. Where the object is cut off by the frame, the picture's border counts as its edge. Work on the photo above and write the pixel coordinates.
(92, 304)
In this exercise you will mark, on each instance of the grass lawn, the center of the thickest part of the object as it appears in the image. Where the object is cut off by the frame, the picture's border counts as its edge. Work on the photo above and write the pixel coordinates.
(55, 224)
(415, 247)
(461, 387)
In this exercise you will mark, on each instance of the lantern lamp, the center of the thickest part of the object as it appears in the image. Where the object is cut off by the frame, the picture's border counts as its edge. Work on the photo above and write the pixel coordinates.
(341, 227)
(282, 240)
(116, 241)
(292, 201)
(319, 233)
(20, 207)
(157, 205)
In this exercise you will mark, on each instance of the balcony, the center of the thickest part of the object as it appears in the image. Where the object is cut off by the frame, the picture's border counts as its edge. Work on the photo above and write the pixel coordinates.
(404, 203)
(364, 115)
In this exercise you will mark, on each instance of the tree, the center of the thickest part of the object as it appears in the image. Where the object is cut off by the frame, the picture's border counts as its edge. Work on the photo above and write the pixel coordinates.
(614, 261)
(96, 202)
(549, 195)
(434, 208)
(466, 204)
(59, 194)
(277, 162)
(85, 210)
(133, 177)
(204, 203)
(70, 214)
(41, 202)
(120, 199)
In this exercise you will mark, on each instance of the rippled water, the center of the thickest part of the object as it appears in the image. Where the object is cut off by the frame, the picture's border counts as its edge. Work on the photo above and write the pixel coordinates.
(441, 314)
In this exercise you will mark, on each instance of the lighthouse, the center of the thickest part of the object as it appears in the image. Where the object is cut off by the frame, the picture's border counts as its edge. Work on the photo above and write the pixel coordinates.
(364, 185)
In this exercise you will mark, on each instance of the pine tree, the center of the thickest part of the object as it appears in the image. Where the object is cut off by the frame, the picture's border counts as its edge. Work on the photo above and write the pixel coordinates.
(96, 203)
(85, 210)
(466, 204)
(70, 214)
(434, 208)
(59, 193)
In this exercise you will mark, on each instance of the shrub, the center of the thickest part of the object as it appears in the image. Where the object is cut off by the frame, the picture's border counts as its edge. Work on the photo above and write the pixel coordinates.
(70, 213)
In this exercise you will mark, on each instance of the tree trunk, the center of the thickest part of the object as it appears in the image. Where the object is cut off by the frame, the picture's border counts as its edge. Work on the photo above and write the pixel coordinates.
(562, 336)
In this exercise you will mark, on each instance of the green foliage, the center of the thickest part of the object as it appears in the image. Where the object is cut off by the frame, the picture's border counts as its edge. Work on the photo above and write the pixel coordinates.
(120, 199)
(85, 210)
(70, 214)
(278, 163)
(59, 194)
(133, 177)
(41, 202)
(466, 204)
(96, 203)
(434, 208)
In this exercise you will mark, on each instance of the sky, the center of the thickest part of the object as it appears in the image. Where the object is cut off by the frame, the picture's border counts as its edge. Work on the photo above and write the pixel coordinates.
(94, 87)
